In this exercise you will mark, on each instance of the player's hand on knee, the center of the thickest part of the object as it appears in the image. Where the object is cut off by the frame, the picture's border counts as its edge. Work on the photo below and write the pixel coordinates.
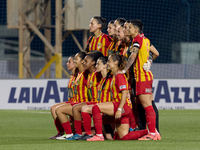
(118, 114)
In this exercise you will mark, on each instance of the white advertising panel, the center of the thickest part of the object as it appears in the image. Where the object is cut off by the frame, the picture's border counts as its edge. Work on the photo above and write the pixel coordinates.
(177, 93)
(42, 93)
(33, 93)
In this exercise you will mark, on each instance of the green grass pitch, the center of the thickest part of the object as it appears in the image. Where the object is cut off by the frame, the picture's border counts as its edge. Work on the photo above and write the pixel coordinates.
(30, 130)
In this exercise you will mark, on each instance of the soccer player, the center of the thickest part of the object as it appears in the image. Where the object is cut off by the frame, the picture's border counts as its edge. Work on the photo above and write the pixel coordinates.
(111, 32)
(144, 79)
(122, 44)
(120, 107)
(138, 110)
(72, 68)
(66, 109)
(141, 111)
(99, 41)
(103, 96)
(93, 80)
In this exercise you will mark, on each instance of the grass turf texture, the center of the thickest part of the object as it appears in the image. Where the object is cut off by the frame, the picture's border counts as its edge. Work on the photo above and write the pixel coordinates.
(30, 130)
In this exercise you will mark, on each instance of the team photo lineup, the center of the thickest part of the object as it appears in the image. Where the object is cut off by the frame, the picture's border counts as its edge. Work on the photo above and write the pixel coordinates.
(110, 86)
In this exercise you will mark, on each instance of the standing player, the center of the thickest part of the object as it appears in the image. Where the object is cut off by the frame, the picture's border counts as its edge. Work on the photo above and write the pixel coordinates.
(72, 68)
(138, 110)
(120, 107)
(144, 79)
(111, 32)
(99, 41)
(123, 42)
(118, 22)
(93, 80)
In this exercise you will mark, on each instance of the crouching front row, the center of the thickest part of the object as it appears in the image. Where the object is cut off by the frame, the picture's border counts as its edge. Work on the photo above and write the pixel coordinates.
(97, 90)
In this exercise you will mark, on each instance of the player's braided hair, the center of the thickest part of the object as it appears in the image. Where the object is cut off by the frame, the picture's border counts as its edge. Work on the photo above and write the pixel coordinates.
(122, 61)
(87, 47)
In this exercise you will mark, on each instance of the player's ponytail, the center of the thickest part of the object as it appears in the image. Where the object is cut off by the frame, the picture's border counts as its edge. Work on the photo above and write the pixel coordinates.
(122, 61)
(101, 21)
(87, 47)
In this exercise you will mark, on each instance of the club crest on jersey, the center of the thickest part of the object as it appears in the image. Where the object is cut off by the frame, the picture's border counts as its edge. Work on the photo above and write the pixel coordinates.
(90, 84)
(99, 45)
(73, 82)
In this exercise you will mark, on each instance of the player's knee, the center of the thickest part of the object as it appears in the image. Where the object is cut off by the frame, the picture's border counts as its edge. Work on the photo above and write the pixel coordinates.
(53, 107)
(84, 109)
(57, 110)
(75, 109)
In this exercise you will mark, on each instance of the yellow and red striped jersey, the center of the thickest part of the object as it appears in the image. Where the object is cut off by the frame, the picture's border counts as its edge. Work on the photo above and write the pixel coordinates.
(92, 84)
(118, 84)
(111, 47)
(80, 90)
(71, 96)
(121, 48)
(104, 92)
(100, 44)
(126, 51)
(143, 44)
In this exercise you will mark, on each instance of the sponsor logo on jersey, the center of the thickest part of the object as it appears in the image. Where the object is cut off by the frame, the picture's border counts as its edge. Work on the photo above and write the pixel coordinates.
(122, 87)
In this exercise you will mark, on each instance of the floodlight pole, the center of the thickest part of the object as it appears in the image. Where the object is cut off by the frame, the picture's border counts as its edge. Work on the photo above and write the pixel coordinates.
(58, 46)
(21, 58)
(47, 33)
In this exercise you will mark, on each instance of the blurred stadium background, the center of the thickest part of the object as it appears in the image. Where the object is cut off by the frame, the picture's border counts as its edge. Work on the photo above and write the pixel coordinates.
(171, 25)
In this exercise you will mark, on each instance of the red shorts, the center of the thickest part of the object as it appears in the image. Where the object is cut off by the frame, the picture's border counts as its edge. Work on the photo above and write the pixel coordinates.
(125, 113)
(144, 87)
(91, 103)
(72, 103)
